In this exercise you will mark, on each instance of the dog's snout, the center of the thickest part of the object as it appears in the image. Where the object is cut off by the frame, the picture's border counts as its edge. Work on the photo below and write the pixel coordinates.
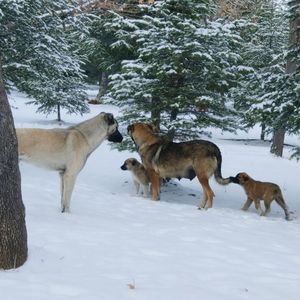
(124, 167)
(115, 137)
(235, 179)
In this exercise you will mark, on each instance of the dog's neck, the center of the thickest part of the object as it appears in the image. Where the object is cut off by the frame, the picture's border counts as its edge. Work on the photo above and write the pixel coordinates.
(90, 129)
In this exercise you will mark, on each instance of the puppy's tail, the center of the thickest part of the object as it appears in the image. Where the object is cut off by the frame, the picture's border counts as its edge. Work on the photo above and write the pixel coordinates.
(218, 173)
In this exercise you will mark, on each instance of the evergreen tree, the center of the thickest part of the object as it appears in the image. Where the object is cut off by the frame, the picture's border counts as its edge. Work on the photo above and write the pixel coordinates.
(265, 34)
(107, 44)
(185, 67)
(37, 56)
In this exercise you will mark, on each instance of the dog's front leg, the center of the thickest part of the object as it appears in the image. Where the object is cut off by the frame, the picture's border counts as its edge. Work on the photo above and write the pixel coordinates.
(137, 187)
(267, 207)
(145, 191)
(247, 204)
(68, 186)
(61, 175)
(154, 178)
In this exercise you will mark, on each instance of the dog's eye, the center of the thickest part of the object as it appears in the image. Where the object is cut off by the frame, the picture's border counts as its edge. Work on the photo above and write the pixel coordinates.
(109, 119)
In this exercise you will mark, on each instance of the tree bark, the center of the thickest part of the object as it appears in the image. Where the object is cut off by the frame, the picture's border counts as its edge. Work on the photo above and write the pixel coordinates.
(278, 142)
(13, 234)
(58, 113)
(103, 84)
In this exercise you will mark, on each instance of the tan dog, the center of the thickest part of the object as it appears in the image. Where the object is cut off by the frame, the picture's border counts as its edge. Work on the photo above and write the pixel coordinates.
(139, 173)
(166, 159)
(66, 150)
(258, 190)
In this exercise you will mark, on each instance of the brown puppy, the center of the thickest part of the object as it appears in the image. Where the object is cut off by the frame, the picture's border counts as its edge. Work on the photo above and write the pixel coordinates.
(139, 173)
(165, 159)
(257, 190)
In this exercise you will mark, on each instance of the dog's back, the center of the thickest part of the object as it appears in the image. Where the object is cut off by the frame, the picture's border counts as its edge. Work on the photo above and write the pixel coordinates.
(43, 147)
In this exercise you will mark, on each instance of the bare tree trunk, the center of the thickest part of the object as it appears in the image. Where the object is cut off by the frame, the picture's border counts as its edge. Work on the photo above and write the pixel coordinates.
(58, 113)
(13, 234)
(277, 142)
(155, 113)
(291, 66)
(103, 84)
(263, 131)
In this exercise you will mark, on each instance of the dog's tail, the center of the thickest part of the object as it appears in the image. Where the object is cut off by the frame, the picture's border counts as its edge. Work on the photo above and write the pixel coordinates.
(218, 173)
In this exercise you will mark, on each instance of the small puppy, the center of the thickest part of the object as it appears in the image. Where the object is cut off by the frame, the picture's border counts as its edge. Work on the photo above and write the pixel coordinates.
(139, 174)
(257, 190)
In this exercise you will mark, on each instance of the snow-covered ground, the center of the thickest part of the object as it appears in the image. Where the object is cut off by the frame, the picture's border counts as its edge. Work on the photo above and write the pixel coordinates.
(117, 246)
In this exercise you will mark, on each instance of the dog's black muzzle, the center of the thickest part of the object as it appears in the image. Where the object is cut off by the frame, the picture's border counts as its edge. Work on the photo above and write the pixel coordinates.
(124, 167)
(115, 137)
(235, 179)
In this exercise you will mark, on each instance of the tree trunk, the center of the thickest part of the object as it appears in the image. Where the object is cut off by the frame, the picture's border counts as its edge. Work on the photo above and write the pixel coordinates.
(173, 116)
(58, 113)
(291, 66)
(103, 84)
(13, 234)
(278, 141)
(263, 131)
(155, 113)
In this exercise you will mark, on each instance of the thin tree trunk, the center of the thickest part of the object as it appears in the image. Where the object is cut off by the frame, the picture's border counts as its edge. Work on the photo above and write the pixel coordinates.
(13, 234)
(103, 84)
(58, 113)
(263, 131)
(173, 116)
(155, 113)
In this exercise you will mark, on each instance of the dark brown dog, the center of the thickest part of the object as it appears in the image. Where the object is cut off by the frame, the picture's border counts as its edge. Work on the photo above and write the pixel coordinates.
(166, 159)
(258, 190)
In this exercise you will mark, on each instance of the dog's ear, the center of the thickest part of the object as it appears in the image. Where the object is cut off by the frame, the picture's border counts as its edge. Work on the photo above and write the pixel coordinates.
(109, 118)
(153, 128)
(244, 176)
(130, 129)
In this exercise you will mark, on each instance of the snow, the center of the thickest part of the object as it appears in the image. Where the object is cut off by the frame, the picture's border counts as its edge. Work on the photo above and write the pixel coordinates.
(116, 245)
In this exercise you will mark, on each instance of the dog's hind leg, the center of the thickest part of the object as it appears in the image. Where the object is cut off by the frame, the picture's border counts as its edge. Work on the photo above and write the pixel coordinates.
(203, 201)
(282, 204)
(68, 184)
(207, 191)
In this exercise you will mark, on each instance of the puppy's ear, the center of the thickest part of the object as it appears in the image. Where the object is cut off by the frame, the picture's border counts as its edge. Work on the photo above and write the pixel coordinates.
(109, 118)
(244, 176)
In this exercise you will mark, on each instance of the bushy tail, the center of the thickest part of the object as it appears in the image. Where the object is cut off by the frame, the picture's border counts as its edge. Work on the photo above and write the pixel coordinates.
(218, 173)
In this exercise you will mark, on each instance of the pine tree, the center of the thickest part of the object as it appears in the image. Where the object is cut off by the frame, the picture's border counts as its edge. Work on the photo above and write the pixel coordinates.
(265, 33)
(37, 56)
(107, 45)
(185, 67)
